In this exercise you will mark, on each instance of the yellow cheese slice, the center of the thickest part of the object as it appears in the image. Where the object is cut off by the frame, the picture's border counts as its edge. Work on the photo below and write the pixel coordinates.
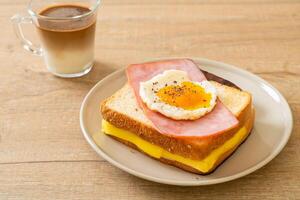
(155, 151)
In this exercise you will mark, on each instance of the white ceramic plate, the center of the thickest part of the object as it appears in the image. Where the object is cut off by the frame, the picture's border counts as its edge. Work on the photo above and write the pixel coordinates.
(272, 129)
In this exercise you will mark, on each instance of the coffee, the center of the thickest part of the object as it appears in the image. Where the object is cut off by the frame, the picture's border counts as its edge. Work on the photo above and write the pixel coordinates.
(68, 44)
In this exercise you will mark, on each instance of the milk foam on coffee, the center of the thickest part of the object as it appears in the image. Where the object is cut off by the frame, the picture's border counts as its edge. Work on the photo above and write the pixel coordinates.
(68, 45)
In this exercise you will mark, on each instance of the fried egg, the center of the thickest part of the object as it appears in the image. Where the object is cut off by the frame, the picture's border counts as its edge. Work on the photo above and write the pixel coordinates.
(174, 95)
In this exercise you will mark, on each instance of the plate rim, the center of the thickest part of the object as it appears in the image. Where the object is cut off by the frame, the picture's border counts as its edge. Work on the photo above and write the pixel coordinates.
(287, 131)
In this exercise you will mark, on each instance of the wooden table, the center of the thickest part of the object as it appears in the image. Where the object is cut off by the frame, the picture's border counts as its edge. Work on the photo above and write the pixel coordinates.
(43, 154)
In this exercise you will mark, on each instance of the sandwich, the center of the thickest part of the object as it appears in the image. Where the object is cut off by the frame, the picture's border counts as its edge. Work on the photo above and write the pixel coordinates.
(178, 114)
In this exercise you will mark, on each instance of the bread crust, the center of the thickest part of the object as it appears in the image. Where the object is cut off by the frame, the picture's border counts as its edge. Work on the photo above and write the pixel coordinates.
(213, 77)
(220, 160)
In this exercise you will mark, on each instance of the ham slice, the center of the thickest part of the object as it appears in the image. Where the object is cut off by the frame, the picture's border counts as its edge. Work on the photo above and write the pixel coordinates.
(220, 119)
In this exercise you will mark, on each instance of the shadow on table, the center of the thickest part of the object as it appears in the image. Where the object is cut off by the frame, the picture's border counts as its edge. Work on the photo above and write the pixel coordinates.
(98, 72)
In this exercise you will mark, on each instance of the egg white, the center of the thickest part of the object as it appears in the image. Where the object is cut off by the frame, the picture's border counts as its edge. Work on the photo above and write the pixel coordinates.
(149, 88)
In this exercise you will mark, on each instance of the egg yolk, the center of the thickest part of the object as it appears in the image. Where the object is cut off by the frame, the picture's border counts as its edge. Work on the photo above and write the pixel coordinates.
(188, 96)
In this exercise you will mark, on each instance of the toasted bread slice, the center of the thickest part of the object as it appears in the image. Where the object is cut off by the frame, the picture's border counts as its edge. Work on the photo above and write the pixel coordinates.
(201, 167)
(122, 111)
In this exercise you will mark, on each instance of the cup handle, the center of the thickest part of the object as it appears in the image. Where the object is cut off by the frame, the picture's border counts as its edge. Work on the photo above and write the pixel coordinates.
(17, 21)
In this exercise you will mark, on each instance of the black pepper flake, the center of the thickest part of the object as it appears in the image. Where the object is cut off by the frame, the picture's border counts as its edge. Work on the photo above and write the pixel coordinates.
(175, 82)
(166, 85)
(136, 109)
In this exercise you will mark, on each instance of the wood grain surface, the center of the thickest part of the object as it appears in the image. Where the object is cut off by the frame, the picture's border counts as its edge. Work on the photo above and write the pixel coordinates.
(43, 154)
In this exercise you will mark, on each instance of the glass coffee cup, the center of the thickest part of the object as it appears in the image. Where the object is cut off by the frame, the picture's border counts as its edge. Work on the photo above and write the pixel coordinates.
(67, 33)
